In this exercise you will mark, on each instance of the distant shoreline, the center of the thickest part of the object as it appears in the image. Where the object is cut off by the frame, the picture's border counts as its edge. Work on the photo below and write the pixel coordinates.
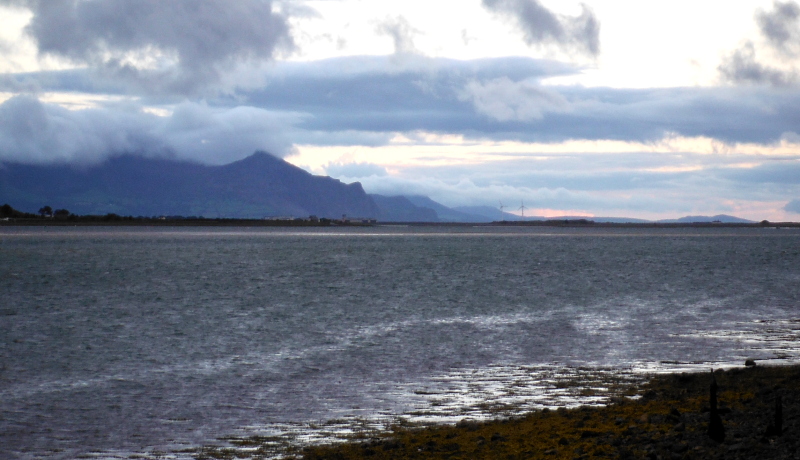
(102, 221)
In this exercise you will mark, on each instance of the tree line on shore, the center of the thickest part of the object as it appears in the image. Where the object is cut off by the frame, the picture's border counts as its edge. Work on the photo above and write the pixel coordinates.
(47, 212)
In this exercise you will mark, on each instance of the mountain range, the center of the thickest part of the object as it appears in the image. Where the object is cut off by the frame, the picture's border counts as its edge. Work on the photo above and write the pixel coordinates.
(258, 186)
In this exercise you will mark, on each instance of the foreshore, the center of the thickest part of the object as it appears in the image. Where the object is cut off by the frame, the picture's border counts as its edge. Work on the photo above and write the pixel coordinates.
(665, 418)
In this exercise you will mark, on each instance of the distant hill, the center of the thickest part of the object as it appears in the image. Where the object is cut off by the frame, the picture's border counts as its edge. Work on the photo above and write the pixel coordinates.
(615, 220)
(490, 213)
(258, 186)
(723, 218)
(446, 214)
(401, 209)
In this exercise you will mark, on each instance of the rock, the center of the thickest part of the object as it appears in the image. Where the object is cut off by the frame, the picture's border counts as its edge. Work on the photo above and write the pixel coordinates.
(468, 424)
(750, 362)
(589, 434)
(680, 448)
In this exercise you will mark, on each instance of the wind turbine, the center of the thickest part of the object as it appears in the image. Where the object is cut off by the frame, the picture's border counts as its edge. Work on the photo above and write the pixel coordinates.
(522, 208)
(502, 216)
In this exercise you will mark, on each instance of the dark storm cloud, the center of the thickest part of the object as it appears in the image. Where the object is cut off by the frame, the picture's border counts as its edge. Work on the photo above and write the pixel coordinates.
(173, 46)
(541, 26)
(780, 27)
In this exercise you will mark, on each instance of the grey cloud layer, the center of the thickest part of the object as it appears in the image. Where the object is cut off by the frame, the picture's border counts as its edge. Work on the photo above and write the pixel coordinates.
(600, 183)
(502, 99)
(33, 132)
(363, 100)
(541, 26)
(793, 206)
(171, 46)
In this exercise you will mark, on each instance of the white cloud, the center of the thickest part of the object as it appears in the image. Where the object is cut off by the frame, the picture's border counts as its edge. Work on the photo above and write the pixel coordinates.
(354, 170)
(401, 33)
(507, 100)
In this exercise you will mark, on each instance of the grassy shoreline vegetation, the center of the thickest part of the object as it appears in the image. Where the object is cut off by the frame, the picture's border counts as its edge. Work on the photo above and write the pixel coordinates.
(667, 417)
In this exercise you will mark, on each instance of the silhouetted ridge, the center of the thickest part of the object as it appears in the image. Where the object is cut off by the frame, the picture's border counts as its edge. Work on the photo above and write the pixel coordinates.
(260, 185)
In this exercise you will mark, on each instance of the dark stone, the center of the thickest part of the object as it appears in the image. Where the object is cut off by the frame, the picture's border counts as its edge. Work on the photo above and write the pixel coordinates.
(680, 448)
(451, 447)
(468, 424)
(749, 362)
(735, 447)
(393, 445)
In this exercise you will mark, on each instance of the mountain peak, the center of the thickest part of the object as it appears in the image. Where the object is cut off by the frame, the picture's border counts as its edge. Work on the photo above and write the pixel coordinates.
(257, 186)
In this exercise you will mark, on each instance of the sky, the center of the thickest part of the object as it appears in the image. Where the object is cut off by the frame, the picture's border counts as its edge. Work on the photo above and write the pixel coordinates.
(611, 108)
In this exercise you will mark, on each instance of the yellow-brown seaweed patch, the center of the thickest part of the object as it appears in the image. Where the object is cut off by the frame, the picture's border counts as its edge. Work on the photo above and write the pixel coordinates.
(665, 418)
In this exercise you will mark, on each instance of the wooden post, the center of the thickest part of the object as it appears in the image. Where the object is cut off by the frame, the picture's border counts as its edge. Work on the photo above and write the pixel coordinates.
(715, 429)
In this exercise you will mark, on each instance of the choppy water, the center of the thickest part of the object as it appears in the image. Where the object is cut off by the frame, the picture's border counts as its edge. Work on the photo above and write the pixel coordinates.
(116, 342)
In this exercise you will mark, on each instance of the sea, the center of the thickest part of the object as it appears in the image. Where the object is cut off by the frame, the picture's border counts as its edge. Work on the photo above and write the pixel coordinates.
(159, 342)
